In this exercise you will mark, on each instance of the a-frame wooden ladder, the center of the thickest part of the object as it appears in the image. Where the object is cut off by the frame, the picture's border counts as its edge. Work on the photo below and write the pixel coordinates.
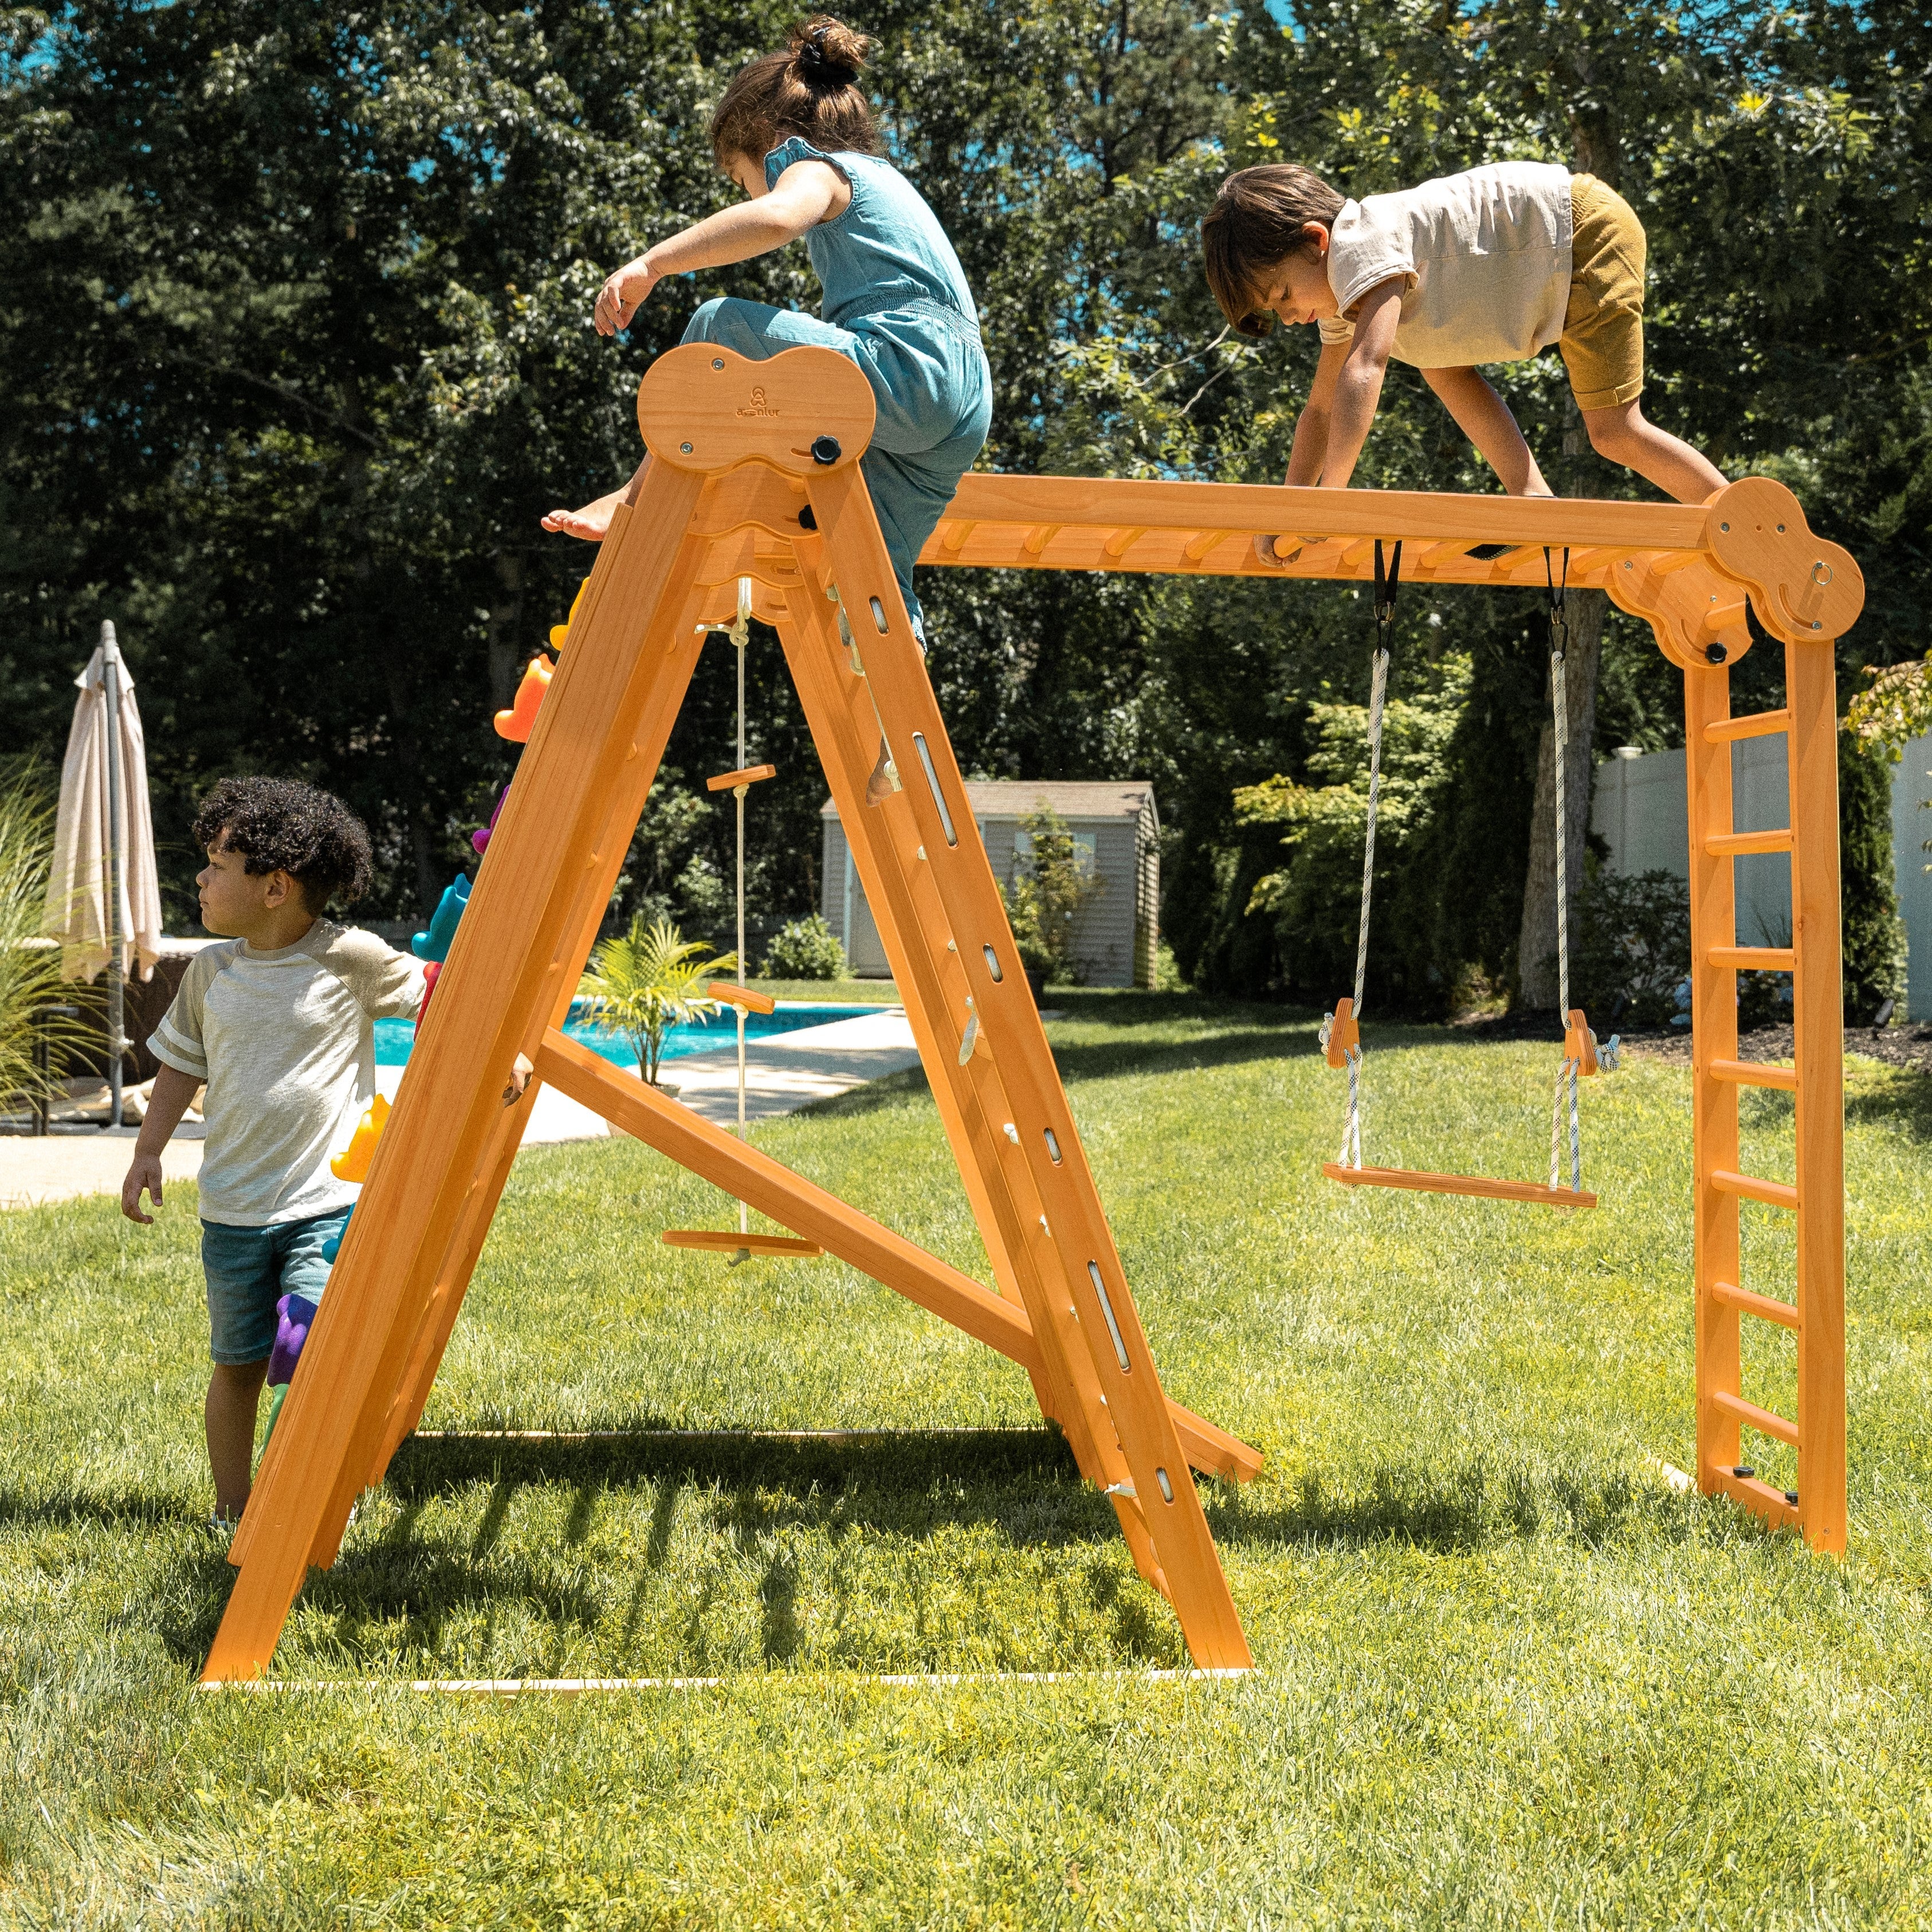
(739, 450)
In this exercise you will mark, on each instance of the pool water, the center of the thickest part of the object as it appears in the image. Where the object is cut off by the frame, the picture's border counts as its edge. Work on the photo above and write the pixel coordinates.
(394, 1038)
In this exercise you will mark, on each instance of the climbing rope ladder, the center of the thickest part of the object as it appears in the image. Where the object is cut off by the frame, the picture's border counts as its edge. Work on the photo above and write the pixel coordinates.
(1341, 1031)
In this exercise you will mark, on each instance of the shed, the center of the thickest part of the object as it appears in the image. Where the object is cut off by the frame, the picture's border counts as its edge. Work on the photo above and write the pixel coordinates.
(1119, 930)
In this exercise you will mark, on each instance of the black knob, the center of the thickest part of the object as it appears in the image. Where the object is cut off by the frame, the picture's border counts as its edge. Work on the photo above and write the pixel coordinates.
(1716, 653)
(825, 450)
(806, 520)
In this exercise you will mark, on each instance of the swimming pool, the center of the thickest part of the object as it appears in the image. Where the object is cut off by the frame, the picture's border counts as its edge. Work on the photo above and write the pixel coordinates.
(394, 1038)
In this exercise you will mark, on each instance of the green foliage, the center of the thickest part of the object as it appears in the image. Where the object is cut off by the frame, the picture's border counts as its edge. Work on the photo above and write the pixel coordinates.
(1052, 886)
(1895, 706)
(1874, 935)
(1314, 899)
(648, 980)
(1634, 940)
(30, 969)
(804, 949)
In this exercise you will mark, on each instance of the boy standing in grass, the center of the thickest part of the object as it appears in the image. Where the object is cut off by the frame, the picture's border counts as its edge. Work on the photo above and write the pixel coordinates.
(280, 1024)
(1491, 266)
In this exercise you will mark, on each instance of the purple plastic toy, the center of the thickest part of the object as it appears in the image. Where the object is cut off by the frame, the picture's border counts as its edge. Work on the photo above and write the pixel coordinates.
(480, 837)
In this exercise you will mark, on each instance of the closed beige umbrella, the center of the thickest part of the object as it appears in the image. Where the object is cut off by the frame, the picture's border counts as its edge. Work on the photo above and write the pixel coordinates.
(103, 896)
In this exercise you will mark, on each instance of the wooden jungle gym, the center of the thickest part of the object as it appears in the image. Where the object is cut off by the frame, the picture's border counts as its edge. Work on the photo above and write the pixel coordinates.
(754, 474)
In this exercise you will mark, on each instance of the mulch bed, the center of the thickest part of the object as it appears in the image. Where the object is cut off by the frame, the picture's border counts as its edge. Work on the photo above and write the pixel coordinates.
(1907, 1045)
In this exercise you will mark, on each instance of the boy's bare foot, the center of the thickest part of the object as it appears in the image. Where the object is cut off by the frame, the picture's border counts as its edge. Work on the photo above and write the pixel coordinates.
(879, 787)
(592, 524)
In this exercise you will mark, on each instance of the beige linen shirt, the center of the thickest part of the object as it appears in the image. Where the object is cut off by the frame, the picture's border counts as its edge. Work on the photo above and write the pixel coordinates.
(1485, 259)
(286, 1043)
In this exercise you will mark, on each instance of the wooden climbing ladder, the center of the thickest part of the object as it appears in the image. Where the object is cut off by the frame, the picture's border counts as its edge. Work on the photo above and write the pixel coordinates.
(754, 474)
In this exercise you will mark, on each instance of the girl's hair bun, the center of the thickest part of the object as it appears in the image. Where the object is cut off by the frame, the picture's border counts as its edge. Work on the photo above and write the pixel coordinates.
(826, 53)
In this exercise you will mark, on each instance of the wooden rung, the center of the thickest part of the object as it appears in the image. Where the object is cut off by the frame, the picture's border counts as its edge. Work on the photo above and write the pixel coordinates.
(751, 775)
(1419, 1182)
(1772, 1193)
(1760, 1499)
(1754, 959)
(722, 1241)
(1757, 724)
(1730, 1295)
(1733, 844)
(1754, 1073)
(1752, 1416)
(741, 996)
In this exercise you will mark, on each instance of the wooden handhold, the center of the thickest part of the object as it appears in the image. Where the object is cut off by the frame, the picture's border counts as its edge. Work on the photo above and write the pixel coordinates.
(721, 1241)
(741, 996)
(732, 781)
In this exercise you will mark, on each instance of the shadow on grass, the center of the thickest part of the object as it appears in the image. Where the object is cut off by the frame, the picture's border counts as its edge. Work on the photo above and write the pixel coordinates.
(1904, 1100)
(1449, 1510)
(885, 1460)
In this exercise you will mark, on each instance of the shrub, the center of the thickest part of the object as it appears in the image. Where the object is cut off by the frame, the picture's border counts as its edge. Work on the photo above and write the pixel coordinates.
(804, 949)
(1052, 886)
(1633, 938)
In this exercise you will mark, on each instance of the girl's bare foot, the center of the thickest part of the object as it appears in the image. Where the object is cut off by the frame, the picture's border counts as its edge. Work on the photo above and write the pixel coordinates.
(592, 522)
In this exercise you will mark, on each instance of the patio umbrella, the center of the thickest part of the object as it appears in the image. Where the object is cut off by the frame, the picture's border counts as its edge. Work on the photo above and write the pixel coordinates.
(103, 898)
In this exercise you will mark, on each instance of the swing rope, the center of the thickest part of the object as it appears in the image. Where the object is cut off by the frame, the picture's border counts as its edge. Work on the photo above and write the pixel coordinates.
(1566, 1074)
(1387, 580)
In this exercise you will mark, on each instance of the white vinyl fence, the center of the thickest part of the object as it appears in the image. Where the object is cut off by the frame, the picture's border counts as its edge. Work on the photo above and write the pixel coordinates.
(1639, 810)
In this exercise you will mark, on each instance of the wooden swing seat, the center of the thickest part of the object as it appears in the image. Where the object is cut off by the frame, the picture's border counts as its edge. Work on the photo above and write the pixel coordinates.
(1419, 1182)
(725, 1241)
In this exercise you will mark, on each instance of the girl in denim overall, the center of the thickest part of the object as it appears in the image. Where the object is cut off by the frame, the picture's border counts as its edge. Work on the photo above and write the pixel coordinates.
(795, 132)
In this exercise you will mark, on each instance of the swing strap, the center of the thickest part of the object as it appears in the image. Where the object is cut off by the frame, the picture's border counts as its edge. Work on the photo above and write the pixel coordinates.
(1388, 578)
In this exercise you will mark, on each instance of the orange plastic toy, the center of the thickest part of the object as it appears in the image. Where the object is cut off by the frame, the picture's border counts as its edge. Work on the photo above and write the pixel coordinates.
(517, 723)
(352, 1162)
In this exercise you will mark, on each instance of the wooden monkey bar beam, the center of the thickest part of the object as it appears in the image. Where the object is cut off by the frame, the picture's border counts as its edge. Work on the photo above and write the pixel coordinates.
(765, 1184)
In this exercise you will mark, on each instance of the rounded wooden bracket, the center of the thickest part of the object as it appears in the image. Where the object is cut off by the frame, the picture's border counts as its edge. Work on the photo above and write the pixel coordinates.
(1341, 1035)
(1580, 1043)
(704, 408)
(1696, 610)
(1805, 591)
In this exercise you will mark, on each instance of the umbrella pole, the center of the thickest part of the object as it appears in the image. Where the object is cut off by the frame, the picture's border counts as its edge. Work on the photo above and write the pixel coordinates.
(116, 1045)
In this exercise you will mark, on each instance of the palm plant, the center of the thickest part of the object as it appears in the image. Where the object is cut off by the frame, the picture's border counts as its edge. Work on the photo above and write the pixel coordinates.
(647, 980)
(30, 966)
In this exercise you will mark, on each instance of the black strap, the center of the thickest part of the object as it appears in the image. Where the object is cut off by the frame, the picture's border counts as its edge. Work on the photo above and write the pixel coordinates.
(1387, 583)
(1559, 600)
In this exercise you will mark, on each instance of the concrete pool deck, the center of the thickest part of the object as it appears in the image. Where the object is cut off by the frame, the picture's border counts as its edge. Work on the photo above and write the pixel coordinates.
(782, 1074)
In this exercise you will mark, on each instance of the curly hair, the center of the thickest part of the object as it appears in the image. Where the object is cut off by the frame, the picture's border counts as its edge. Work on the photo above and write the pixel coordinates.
(283, 825)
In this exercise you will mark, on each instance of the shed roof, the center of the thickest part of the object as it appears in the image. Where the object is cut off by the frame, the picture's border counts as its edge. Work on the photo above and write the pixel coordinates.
(1014, 798)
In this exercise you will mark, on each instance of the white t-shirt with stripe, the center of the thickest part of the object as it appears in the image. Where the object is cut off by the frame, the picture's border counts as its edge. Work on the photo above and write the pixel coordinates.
(286, 1043)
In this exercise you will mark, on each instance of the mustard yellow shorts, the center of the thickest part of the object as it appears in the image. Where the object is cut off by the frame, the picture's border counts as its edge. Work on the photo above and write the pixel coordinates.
(1602, 343)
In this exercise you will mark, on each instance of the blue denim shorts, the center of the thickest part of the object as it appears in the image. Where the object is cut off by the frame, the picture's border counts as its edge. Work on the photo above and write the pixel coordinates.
(250, 1269)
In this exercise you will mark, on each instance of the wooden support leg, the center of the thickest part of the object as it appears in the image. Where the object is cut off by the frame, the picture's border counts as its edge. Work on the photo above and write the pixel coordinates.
(676, 635)
(515, 955)
(1818, 1025)
(748, 1175)
(1101, 1313)
(1714, 1037)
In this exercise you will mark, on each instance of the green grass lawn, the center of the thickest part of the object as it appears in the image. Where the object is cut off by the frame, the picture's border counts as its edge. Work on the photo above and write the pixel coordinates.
(1507, 1676)
(835, 992)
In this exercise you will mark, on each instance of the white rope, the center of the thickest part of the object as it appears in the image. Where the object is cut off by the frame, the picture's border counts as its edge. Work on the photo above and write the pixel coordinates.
(1566, 1074)
(740, 634)
(1385, 614)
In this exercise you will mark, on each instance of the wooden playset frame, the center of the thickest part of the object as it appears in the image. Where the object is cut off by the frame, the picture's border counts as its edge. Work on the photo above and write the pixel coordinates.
(754, 473)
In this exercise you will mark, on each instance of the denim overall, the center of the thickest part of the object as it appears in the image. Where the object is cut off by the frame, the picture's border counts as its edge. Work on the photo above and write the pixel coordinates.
(896, 303)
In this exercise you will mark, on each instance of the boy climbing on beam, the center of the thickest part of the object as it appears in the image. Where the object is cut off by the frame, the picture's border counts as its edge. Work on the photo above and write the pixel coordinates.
(1491, 266)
